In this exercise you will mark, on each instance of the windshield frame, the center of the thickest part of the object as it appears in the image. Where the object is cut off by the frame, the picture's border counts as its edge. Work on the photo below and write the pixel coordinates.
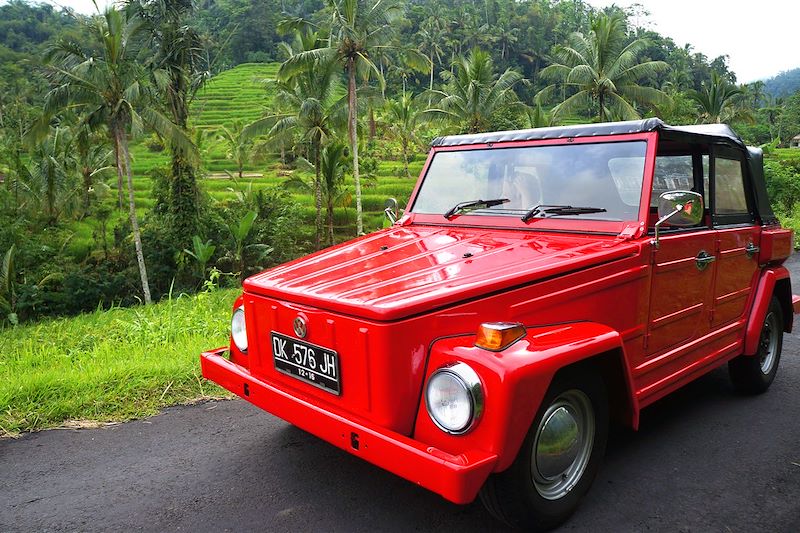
(575, 224)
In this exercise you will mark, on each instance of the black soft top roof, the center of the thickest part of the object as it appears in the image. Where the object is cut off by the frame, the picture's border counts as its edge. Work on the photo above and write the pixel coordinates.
(711, 132)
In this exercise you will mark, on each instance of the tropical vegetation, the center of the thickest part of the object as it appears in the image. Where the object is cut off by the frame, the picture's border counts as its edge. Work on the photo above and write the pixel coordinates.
(167, 147)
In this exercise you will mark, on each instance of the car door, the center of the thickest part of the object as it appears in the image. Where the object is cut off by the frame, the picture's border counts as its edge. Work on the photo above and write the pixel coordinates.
(681, 280)
(738, 236)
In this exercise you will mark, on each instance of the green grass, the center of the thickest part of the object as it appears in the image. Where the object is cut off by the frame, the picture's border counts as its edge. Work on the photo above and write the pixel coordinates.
(110, 365)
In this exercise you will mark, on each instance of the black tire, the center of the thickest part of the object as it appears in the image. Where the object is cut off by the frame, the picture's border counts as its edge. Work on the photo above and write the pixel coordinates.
(754, 374)
(526, 498)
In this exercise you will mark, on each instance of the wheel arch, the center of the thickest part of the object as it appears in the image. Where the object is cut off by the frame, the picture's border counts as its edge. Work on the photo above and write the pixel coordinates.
(517, 379)
(773, 281)
(611, 365)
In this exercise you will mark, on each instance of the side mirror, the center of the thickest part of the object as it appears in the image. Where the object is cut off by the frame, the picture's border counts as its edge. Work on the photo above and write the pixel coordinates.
(390, 210)
(679, 208)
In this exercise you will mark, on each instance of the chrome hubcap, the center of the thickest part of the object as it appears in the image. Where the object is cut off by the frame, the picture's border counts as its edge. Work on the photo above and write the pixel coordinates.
(563, 444)
(768, 343)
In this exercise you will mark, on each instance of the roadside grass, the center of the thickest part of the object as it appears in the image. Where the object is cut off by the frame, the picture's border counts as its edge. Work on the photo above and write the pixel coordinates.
(110, 365)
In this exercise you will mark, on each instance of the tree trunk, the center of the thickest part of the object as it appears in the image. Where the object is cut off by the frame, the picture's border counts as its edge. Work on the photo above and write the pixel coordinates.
(120, 197)
(330, 221)
(432, 69)
(353, 123)
(602, 107)
(124, 157)
(87, 184)
(317, 199)
(184, 196)
(405, 157)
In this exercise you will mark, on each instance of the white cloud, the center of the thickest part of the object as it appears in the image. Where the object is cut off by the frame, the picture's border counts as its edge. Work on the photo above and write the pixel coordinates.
(760, 38)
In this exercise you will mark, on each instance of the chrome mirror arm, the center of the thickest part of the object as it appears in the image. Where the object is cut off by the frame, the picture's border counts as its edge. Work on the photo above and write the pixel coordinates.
(678, 209)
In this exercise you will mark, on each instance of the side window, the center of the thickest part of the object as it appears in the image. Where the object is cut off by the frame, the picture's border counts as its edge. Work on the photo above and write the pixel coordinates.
(673, 172)
(729, 192)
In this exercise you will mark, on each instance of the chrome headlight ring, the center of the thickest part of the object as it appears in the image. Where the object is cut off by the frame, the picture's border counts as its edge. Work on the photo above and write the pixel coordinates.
(454, 398)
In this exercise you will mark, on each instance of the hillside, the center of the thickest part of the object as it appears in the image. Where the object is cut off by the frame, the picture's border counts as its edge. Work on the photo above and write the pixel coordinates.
(236, 94)
(242, 94)
(784, 84)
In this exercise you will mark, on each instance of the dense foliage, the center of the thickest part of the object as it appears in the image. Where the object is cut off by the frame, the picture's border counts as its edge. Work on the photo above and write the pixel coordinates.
(134, 156)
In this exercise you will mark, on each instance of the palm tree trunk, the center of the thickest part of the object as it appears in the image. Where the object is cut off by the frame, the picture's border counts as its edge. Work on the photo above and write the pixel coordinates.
(87, 184)
(317, 198)
(405, 157)
(124, 156)
(373, 126)
(432, 69)
(119, 171)
(601, 101)
(353, 123)
(330, 220)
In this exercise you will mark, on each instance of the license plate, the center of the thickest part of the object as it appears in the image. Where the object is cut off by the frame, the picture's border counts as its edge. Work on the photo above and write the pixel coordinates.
(308, 362)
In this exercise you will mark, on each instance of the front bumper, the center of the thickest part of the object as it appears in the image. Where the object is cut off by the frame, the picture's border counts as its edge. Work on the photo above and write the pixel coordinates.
(457, 478)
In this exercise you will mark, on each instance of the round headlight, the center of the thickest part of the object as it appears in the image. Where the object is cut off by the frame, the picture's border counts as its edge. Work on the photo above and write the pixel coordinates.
(454, 398)
(238, 329)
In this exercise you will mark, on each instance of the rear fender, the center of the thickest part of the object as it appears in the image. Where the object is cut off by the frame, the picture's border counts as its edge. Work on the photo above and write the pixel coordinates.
(516, 379)
(773, 280)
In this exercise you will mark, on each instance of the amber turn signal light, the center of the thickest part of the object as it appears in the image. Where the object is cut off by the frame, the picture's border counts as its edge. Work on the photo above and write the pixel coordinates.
(496, 336)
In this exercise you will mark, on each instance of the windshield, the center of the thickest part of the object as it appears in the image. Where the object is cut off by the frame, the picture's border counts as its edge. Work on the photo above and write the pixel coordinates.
(605, 178)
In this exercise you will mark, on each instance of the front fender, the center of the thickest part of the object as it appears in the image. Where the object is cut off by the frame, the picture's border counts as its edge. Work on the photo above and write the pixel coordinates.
(514, 383)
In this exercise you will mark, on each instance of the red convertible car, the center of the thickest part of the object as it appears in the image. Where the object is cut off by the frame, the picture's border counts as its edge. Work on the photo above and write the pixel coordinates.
(541, 285)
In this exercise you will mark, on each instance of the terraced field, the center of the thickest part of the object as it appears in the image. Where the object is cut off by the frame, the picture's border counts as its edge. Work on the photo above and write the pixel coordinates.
(241, 94)
(236, 94)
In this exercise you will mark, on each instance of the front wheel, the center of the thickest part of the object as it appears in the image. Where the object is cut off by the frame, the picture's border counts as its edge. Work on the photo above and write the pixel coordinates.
(558, 460)
(753, 374)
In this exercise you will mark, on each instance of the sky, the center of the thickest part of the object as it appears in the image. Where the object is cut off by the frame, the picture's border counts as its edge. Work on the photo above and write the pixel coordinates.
(761, 40)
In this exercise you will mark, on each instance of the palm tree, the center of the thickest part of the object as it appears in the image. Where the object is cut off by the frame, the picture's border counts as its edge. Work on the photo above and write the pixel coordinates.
(177, 68)
(237, 144)
(404, 117)
(431, 36)
(105, 84)
(358, 28)
(475, 93)
(51, 175)
(604, 72)
(333, 190)
(310, 102)
(94, 160)
(719, 101)
(331, 169)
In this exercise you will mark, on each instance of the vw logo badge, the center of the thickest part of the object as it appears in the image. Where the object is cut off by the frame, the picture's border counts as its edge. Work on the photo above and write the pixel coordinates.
(300, 328)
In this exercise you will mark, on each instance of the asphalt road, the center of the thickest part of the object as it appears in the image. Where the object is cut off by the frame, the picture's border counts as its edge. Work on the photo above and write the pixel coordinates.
(704, 460)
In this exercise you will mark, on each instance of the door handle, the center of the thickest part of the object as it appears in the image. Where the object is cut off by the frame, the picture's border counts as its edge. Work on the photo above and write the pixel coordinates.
(751, 249)
(704, 259)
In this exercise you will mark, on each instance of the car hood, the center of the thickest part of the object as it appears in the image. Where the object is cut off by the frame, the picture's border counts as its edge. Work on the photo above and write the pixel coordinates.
(404, 271)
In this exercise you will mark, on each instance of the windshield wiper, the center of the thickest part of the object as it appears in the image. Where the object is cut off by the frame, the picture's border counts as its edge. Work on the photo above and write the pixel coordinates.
(556, 210)
(474, 204)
